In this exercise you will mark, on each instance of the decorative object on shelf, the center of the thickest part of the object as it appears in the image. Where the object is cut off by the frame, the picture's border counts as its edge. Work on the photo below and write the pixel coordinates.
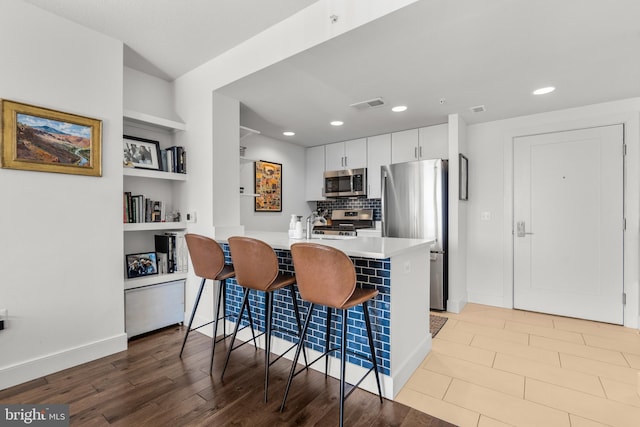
(268, 186)
(141, 152)
(143, 264)
(243, 150)
(463, 174)
(44, 140)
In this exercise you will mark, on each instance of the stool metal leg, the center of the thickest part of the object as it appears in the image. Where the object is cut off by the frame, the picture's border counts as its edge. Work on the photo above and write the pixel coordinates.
(296, 310)
(327, 342)
(297, 356)
(267, 356)
(374, 360)
(245, 301)
(343, 363)
(221, 290)
(193, 314)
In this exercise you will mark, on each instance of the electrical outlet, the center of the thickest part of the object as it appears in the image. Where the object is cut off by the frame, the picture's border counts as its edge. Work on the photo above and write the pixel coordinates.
(191, 216)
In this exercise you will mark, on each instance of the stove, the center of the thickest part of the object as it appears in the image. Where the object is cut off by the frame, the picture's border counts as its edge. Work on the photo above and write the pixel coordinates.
(345, 222)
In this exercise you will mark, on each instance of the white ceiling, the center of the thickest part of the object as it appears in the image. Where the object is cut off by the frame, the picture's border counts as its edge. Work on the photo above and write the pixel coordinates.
(167, 38)
(468, 52)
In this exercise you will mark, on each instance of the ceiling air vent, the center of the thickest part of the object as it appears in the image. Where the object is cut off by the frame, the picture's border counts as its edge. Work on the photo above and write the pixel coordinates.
(478, 109)
(371, 103)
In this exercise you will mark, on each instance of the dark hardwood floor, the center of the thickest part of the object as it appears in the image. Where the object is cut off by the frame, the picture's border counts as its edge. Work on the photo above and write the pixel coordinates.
(149, 385)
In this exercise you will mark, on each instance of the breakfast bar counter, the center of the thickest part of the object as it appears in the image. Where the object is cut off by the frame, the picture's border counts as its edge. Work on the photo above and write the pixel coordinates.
(398, 269)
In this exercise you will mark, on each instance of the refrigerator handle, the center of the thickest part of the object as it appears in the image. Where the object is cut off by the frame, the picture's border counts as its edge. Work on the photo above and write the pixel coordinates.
(436, 175)
(383, 196)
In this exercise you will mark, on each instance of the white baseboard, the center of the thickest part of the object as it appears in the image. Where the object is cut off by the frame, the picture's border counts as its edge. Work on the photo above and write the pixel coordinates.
(401, 374)
(48, 364)
(455, 306)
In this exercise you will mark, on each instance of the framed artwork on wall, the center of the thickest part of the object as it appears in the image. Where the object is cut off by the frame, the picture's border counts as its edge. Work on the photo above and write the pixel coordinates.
(44, 140)
(268, 187)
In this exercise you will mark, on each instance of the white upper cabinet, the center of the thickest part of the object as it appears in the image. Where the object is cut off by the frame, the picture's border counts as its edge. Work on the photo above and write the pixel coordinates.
(404, 146)
(434, 142)
(314, 173)
(378, 154)
(346, 155)
(416, 144)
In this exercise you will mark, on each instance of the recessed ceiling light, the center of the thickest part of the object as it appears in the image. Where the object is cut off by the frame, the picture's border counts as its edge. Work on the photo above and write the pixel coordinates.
(337, 123)
(288, 133)
(544, 90)
(399, 108)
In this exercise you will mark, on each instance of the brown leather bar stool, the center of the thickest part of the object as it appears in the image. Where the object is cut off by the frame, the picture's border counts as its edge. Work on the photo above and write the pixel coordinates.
(208, 263)
(256, 266)
(326, 276)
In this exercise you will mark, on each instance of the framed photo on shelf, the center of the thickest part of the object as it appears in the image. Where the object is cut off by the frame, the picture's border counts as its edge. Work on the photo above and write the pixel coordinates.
(139, 265)
(463, 175)
(268, 187)
(44, 140)
(141, 153)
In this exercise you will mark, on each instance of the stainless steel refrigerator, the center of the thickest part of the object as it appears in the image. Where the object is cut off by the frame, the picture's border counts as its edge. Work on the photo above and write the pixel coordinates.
(414, 205)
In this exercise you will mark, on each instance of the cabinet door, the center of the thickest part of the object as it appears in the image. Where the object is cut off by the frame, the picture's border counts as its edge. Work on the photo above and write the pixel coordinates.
(314, 170)
(153, 307)
(334, 156)
(378, 154)
(404, 146)
(355, 152)
(434, 142)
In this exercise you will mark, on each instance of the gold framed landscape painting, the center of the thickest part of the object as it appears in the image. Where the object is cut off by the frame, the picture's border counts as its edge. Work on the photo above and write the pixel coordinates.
(268, 187)
(40, 139)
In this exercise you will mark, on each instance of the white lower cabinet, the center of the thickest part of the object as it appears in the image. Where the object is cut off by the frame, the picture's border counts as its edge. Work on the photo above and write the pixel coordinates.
(153, 307)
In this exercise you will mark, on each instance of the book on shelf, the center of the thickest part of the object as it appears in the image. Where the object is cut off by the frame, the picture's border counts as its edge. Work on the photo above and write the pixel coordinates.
(174, 159)
(172, 252)
(138, 209)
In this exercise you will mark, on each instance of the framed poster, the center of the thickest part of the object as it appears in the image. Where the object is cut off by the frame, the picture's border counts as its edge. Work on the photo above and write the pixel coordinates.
(43, 140)
(268, 187)
(463, 193)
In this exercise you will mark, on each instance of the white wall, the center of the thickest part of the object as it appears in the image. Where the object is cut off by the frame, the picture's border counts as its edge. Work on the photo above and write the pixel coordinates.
(489, 242)
(61, 253)
(457, 232)
(148, 94)
(292, 158)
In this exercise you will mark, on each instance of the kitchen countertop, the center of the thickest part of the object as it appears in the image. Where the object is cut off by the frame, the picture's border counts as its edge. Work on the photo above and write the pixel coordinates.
(367, 247)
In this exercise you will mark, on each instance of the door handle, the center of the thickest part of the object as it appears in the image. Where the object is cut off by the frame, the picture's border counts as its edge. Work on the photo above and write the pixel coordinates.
(520, 229)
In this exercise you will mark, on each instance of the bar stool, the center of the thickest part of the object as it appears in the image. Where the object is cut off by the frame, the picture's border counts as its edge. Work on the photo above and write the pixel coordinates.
(208, 263)
(256, 267)
(326, 276)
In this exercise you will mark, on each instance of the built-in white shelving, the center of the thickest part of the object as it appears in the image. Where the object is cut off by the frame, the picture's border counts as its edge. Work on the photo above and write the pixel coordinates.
(153, 226)
(149, 173)
(143, 295)
(140, 282)
(148, 119)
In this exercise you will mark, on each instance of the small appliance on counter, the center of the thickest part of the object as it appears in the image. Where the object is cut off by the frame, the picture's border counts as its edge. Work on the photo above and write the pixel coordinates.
(295, 227)
(346, 222)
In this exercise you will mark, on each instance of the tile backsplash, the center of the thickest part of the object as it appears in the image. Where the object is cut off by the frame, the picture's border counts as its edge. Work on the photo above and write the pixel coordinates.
(355, 203)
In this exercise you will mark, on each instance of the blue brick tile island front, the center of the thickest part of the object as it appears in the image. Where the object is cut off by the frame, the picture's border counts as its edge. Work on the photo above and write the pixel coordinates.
(371, 274)
(397, 268)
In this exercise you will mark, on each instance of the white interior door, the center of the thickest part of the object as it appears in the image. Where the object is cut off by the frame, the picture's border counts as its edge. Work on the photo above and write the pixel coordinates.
(569, 223)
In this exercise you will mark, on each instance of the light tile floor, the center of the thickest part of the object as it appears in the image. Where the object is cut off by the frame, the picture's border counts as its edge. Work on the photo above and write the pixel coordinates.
(496, 367)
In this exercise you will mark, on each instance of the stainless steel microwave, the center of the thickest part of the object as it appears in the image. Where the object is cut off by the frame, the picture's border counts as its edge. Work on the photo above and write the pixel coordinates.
(346, 183)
